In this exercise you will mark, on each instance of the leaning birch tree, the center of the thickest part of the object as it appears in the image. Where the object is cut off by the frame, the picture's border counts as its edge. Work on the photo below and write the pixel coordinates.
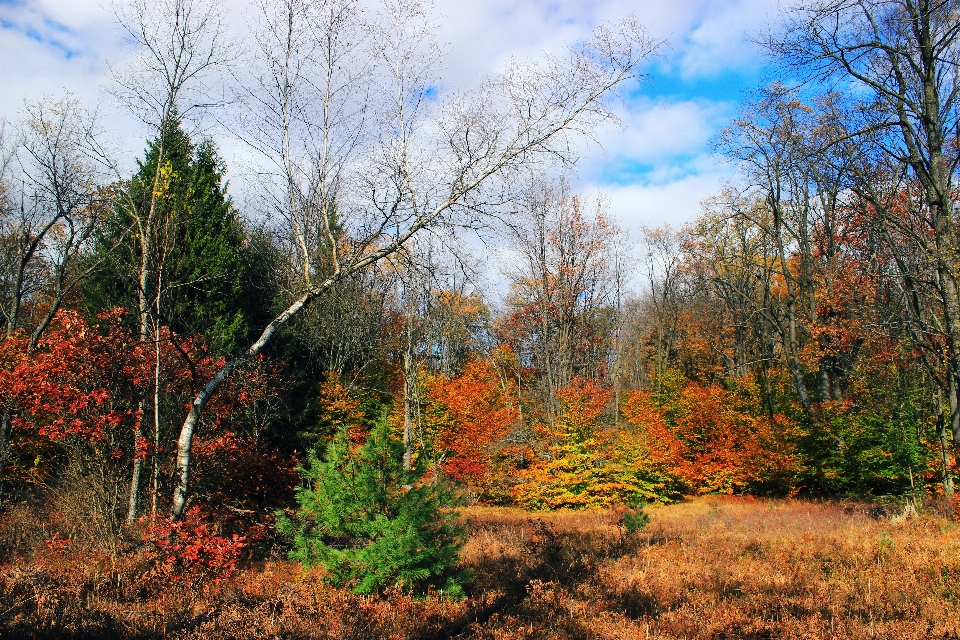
(360, 159)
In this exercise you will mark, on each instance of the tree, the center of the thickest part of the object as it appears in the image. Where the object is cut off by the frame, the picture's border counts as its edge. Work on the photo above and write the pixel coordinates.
(424, 167)
(442, 324)
(205, 270)
(664, 273)
(712, 439)
(78, 388)
(770, 145)
(564, 289)
(179, 43)
(904, 58)
(585, 465)
(372, 523)
(52, 206)
(464, 417)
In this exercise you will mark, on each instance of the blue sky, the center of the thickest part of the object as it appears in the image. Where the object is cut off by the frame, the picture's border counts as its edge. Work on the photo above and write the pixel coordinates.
(654, 170)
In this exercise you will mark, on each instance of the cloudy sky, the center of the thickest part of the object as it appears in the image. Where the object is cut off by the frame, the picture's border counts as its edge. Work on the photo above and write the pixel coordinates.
(655, 170)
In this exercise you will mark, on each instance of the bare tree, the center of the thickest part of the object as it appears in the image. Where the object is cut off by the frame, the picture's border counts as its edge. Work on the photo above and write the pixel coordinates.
(769, 143)
(564, 286)
(664, 262)
(441, 321)
(736, 258)
(423, 162)
(50, 210)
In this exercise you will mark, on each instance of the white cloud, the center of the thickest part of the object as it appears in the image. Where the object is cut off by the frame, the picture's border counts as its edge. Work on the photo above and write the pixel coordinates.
(720, 40)
(47, 48)
(75, 14)
(482, 34)
(655, 134)
(666, 142)
(673, 203)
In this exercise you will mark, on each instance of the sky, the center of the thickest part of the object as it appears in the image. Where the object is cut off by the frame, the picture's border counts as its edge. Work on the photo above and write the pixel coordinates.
(655, 169)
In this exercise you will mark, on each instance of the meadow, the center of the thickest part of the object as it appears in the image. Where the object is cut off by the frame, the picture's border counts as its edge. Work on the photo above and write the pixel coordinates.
(710, 568)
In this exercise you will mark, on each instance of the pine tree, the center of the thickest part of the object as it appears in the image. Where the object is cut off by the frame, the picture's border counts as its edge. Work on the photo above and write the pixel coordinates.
(211, 274)
(373, 525)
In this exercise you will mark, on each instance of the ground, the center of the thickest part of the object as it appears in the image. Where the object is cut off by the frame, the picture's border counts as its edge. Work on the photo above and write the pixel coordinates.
(717, 567)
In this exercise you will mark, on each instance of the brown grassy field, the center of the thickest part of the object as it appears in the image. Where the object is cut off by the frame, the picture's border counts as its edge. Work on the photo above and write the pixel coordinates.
(709, 568)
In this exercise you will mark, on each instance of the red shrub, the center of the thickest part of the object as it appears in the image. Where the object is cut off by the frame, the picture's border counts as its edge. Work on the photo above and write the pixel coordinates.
(190, 551)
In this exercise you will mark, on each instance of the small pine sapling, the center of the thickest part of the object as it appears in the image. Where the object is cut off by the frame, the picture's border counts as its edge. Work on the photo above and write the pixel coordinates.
(372, 524)
(634, 519)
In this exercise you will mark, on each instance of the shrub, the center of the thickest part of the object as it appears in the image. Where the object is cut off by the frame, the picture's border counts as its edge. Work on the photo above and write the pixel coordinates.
(190, 551)
(635, 519)
(713, 440)
(463, 417)
(372, 524)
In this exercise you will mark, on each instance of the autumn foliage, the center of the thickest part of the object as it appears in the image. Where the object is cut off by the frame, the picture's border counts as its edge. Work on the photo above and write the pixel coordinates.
(747, 427)
(82, 381)
(708, 568)
(190, 552)
(466, 415)
(338, 410)
(585, 463)
(711, 439)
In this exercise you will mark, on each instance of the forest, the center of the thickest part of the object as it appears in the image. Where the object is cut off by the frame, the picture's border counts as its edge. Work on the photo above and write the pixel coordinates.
(318, 411)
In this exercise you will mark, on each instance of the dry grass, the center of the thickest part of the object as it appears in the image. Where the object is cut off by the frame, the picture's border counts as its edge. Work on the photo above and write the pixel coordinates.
(709, 568)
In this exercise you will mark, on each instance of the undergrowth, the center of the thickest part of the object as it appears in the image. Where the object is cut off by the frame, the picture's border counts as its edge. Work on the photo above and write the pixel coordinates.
(710, 568)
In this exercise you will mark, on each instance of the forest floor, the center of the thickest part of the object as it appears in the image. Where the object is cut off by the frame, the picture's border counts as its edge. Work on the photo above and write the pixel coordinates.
(706, 568)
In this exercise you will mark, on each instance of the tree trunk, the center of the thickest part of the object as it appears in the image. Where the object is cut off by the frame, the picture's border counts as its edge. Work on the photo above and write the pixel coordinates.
(791, 348)
(408, 383)
(185, 441)
(944, 448)
(953, 396)
(144, 300)
(6, 431)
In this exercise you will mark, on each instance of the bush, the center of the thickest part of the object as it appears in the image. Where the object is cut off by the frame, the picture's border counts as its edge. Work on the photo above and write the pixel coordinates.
(372, 524)
(635, 520)
(586, 464)
(190, 551)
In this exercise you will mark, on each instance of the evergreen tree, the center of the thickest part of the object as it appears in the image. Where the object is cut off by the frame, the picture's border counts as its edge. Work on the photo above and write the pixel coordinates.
(371, 524)
(211, 273)
(216, 275)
